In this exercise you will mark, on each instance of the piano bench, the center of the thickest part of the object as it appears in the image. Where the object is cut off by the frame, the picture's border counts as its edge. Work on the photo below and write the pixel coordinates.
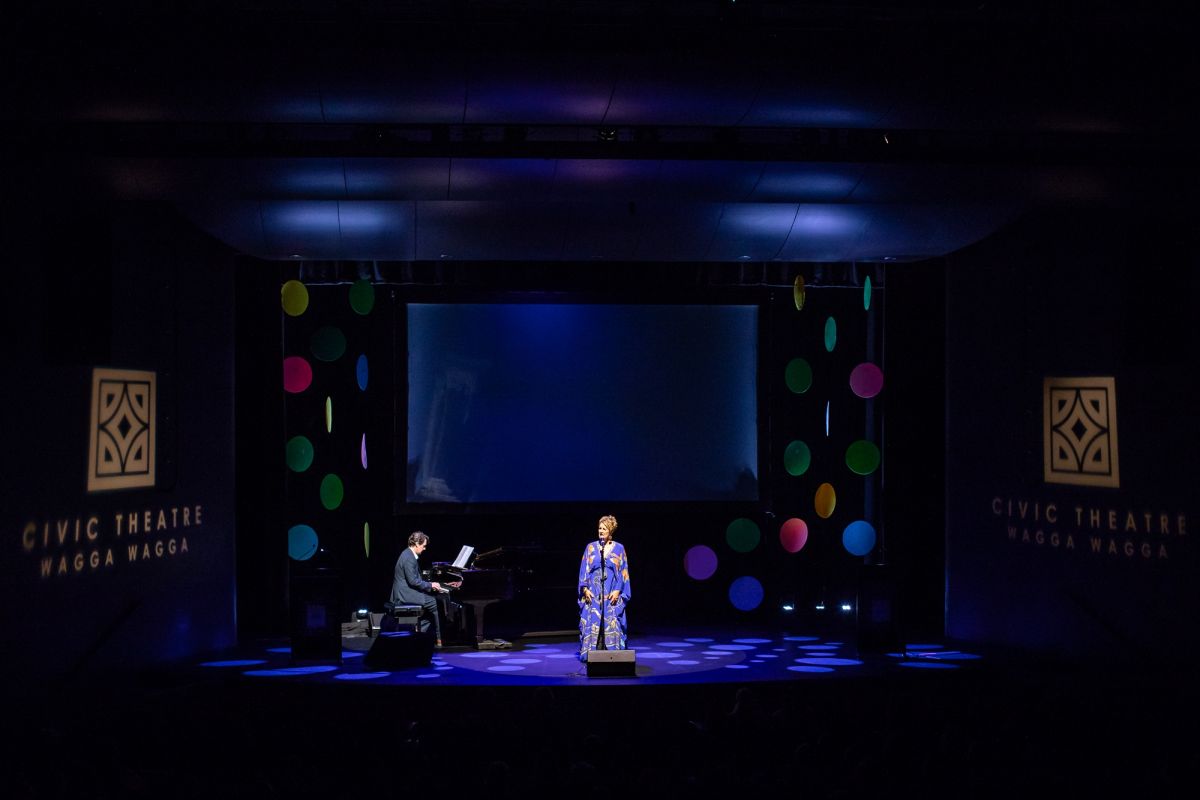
(402, 617)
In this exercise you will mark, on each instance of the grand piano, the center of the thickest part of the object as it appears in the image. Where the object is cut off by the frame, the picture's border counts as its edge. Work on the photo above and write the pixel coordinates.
(534, 586)
(488, 578)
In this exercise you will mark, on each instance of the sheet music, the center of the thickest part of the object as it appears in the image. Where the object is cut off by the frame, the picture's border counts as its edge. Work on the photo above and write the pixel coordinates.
(465, 553)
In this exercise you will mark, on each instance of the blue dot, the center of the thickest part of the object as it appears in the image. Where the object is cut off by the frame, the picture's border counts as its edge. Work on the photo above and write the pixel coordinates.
(859, 538)
(360, 370)
(746, 593)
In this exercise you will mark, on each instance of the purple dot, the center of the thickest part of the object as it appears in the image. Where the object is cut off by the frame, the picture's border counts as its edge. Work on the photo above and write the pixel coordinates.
(866, 380)
(700, 562)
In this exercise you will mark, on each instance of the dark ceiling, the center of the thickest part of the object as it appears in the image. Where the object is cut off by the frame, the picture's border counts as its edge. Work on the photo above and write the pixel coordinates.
(621, 131)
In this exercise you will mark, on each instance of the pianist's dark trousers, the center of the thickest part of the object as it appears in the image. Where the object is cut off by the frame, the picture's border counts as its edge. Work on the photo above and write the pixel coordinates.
(429, 610)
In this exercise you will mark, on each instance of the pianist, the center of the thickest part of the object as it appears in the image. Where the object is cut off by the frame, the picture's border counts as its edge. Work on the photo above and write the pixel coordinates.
(603, 592)
(409, 588)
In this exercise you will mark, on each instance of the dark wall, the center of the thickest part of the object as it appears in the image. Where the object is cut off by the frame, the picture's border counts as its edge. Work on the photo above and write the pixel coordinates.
(914, 442)
(1110, 570)
(92, 284)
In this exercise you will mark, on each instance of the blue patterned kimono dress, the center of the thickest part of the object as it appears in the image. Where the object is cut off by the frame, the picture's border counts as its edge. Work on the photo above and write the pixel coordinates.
(613, 576)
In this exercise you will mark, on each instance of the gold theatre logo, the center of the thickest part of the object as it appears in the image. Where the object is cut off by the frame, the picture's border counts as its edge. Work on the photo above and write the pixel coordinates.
(121, 437)
(1080, 449)
(1080, 431)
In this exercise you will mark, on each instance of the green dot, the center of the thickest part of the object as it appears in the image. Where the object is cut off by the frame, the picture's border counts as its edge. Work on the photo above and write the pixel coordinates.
(799, 375)
(862, 457)
(328, 343)
(797, 458)
(743, 535)
(332, 491)
(299, 453)
(867, 293)
(362, 297)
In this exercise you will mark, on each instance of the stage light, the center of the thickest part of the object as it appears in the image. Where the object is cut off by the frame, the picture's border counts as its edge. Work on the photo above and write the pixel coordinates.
(846, 607)
(607, 134)
(820, 606)
(788, 607)
(361, 613)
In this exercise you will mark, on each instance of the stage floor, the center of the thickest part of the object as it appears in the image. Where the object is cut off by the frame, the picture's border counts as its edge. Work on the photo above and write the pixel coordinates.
(678, 656)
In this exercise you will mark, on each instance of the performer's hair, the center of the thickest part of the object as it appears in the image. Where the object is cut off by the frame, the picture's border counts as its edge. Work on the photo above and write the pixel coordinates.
(416, 537)
(609, 521)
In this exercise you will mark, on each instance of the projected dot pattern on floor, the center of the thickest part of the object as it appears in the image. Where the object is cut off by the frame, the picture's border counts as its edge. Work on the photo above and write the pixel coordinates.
(659, 659)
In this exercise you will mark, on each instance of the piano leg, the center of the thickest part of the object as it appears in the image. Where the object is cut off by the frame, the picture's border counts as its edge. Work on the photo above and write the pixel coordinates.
(478, 606)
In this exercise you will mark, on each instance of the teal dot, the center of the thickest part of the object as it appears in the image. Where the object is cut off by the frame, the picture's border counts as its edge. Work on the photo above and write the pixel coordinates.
(362, 297)
(742, 535)
(302, 542)
(797, 458)
(299, 453)
(328, 343)
(332, 491)
(867, 293)
(830, 334)
(799, 375)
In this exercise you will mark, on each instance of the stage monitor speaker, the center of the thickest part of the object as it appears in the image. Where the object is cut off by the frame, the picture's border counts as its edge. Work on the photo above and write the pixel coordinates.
(612, 664)
(877, 621)
(316, 631)
(400, 650)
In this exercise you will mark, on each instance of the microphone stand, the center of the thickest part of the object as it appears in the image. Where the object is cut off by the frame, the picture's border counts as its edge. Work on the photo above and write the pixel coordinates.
(600, 645)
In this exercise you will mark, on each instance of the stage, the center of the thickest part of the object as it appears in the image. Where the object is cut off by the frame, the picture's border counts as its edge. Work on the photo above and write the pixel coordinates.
(678, 656)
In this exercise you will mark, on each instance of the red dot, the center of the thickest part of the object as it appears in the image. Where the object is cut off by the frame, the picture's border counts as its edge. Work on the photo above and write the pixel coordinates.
(793, 535)
(297, 374)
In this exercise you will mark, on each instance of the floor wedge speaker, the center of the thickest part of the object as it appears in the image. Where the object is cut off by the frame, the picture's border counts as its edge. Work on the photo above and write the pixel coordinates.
(400, 650)
(612, 664)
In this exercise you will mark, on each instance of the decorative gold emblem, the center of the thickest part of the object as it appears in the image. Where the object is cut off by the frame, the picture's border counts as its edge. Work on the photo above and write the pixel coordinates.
(122, 434)
(1080, 431)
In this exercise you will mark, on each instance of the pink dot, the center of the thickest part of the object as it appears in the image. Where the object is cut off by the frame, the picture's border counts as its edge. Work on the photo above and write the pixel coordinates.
(866, 380)
(793, 535)
(297, 374)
